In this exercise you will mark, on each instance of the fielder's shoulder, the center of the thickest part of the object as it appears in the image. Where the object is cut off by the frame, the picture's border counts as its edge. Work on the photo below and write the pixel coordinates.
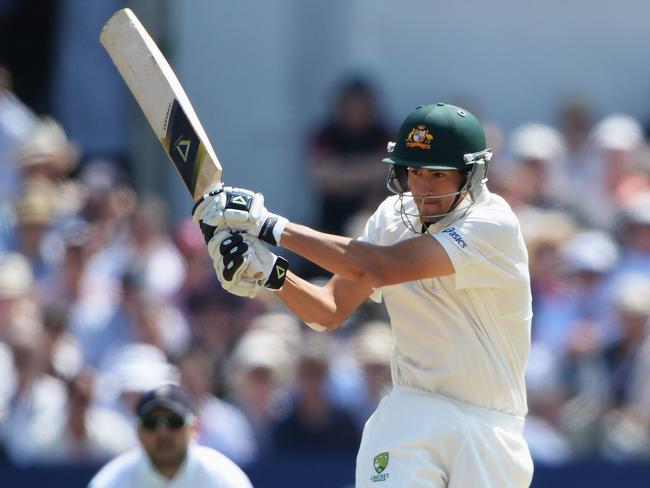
(118, 472)
(222, 468)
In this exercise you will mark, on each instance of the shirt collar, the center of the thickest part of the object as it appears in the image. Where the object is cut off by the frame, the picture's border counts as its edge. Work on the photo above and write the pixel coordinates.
(150, 476)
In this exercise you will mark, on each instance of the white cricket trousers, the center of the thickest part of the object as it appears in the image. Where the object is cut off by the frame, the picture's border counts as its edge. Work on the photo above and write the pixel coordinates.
(417, 439)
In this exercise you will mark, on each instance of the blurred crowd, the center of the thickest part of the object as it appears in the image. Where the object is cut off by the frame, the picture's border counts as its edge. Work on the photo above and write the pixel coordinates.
(103, 298)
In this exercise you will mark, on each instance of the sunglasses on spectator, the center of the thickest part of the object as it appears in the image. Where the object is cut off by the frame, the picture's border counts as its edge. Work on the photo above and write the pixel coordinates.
(152, 422)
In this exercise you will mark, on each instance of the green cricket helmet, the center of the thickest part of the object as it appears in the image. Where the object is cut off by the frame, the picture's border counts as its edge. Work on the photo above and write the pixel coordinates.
(440, 137)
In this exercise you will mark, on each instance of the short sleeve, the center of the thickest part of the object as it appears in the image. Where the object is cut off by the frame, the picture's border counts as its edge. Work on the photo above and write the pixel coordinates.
(485, 253)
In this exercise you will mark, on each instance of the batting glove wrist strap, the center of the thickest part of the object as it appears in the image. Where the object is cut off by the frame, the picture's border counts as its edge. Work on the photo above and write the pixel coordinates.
(272, 229)
(278, 274)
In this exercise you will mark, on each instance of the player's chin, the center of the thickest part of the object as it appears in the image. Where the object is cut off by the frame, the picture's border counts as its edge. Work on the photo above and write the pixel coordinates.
(430, 212)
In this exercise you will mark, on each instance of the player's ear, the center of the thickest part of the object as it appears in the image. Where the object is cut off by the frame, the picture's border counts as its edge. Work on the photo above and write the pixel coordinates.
(398, 179)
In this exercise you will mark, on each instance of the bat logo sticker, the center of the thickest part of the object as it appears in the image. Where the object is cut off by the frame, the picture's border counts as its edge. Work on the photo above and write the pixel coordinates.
(183, 148)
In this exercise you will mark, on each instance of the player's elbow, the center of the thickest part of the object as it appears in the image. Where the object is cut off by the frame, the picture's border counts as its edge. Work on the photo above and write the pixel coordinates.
(323, 328)
(326, 324)
(374, 276)
(374, 267)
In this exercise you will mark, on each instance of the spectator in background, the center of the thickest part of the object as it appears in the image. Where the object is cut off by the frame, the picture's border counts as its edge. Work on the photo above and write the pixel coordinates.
(214, 317)
(34, 213)
(622, 430)
(91, 433)
(65, 358)
(16, 123)
(632, 305)
(371, 347)
(32, 423)
(538, 177)
(108, 210)
(350, 142)
(314, 422)
(151, 251)
(221, 425)
(198, 267)
(627, 424)
(43, 159)
(15, 299)
(543, 430)
(545, 233)
(575, 124)
(259, 372)
(634, 232)
(615, 146)
(584, 323)
(85, 300)
(134, 370)
(46, 153)
(47, 156)
(578, 320)
(16, 289)
(167, 455)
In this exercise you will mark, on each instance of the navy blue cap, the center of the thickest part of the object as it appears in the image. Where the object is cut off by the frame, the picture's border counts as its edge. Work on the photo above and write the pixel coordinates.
(169, 396)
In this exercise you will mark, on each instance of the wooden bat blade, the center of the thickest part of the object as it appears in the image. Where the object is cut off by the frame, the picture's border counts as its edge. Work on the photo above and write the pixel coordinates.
(162, 99)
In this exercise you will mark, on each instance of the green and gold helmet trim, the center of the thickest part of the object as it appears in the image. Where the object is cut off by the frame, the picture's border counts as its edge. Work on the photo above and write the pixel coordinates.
(437, 136)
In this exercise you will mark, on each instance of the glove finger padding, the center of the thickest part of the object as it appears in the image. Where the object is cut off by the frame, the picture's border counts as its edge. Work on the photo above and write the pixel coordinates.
(214, 244)
(231, 255)
(233, 249)
(244, 263)
(233, 245)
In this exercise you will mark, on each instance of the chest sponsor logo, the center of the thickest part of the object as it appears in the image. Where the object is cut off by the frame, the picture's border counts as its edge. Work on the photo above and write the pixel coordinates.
(451, 232)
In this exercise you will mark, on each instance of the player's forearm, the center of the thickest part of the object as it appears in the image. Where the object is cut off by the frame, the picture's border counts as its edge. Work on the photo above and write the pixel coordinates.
(311, 303)
(343, 256)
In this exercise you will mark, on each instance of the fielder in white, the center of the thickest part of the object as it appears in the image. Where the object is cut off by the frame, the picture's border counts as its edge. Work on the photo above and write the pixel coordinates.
(448, 259)
(167, 456)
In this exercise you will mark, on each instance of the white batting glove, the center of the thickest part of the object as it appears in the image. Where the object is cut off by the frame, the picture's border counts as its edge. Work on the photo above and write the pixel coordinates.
(244, 264)
(239, 210)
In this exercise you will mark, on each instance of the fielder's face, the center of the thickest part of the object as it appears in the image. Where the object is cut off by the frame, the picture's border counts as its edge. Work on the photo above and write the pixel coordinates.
(434, 191)
(165, 436)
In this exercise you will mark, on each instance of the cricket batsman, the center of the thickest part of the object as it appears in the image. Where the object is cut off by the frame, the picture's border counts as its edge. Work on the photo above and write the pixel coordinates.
(447, 257)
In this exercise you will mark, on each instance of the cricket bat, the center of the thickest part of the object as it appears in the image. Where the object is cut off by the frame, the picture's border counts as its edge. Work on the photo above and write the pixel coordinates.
(162, 99)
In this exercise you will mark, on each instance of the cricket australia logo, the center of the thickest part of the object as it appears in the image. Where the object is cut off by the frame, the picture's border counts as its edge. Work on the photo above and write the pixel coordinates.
(451, 232)
(419, 137)
(380, 463)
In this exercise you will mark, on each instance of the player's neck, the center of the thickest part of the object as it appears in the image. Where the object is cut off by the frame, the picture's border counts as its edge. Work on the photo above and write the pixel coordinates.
(169, 470)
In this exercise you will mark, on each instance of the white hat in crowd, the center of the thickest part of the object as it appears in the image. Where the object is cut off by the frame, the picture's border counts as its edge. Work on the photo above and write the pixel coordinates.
(48, 144)
(15, 275)
(136, 368)
(260, 349)
(618, 132)
(537, 141)
(633, 293)
(590, 250)
(637, 209)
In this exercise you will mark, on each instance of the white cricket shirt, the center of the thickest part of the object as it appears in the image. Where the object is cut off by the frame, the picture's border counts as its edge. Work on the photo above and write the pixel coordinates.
(466, 335)
(203, 468)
